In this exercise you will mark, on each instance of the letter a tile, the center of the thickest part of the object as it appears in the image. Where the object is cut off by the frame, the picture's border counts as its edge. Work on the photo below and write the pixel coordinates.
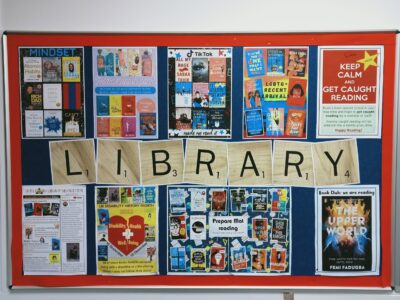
(250, 163)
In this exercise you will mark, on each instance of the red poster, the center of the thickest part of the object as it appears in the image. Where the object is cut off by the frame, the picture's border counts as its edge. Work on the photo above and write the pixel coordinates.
(350, 76)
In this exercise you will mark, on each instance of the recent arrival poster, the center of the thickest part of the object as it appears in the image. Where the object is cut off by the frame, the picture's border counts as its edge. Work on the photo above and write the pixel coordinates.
(347, 240)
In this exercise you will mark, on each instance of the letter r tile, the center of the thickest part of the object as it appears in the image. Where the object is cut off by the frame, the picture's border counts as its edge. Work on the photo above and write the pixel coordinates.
(206, 162)
(293, 164)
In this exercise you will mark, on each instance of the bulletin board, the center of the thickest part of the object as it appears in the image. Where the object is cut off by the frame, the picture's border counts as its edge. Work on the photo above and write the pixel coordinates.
(26, 157)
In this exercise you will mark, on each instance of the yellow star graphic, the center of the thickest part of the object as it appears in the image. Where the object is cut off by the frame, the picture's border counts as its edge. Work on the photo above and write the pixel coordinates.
(368, 60)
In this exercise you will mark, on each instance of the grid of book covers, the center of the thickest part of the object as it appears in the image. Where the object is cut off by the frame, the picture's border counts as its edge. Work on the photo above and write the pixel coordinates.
(229, 230)
(275, 92)
(125, 92)
(199, 81)
(52, 92)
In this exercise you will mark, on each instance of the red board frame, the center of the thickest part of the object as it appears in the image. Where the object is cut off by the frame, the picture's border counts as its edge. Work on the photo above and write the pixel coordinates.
(15, 40)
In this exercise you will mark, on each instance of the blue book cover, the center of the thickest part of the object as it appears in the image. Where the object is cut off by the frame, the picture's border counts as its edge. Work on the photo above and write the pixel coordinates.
(199, 119)
(276, 62)
(255, 63)
(109, 64)
(275, 121)
(254, 122)
(217, 94)
(103, 105)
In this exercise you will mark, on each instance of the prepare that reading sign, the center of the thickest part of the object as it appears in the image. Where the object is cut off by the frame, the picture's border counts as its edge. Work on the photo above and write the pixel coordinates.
(205, 162)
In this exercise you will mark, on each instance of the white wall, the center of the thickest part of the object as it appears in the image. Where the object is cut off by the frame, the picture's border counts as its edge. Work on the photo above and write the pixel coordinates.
(169, 16)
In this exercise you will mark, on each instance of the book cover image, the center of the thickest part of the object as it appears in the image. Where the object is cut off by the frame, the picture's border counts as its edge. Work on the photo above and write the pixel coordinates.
(121, 62)
(254, 62)
(71, 71)
(205, 74)
(200, 95)
(72, 123)
(259, 199)
(217, 69)
(103, 127)
(128, 105)
(260, 229)
(200, 69)
(253, 93)
(51, 69)
(53, 123)
(148, 125)
(229, 237)
(254, 122)
(199, 119)
(183, 94)
(103, 105)
(216, 118)
(183, 118)
(295, 123)
(297, 62)
(258, 260)
(297, 92)
(125, 88)
(238, 200)
(348, 240)
(217, 94)
(239, 258)
(32, 69)
(275, 122)
(177, 227)
(276, 62)
(51, 83)
(115, 127)
(280, 88)
(134, 62)
(217, 258)
(32, 96)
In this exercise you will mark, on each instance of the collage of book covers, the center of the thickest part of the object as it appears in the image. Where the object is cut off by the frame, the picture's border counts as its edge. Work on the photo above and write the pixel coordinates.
(296, 93)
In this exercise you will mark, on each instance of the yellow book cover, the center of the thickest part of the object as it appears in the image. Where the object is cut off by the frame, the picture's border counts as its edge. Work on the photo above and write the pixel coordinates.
(71, 69)
(115, 127)
(115, 105)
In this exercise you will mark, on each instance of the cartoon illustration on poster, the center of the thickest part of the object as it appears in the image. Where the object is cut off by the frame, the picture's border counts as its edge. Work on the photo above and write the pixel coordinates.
(350, 92)
(275, 88)
(125, 92)
(199, 96)
(236, 231)
(348, 239)
(126, 230)
(52, 93)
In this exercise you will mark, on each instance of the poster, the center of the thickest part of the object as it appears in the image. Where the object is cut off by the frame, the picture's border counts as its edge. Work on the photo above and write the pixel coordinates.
(126, 230)
(275, 87)
(54, 229)
(350, 92)
(199, 92)
(52, 93)
(125, 92)
(348, 235)
(229, 230)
